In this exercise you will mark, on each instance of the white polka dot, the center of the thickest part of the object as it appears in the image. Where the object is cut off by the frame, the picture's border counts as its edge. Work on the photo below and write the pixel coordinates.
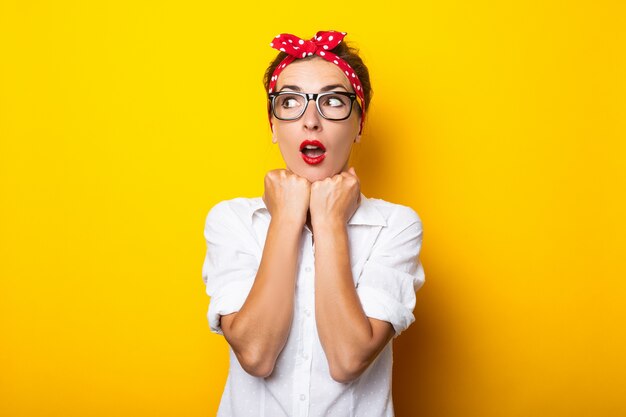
(325, 46)
(282, 49)
(272, 44)
(319, 38)
(322, 53)
(284, 65)
(353, 75)
(347, 73)
(296, 47)
(343, 33)
(358, 87)
(277, 36)
(284, 43)
(301, 42)
(311, 53)
(336, 62)
(330, 38)
(303, 54)
(270, 90)
(289, 40)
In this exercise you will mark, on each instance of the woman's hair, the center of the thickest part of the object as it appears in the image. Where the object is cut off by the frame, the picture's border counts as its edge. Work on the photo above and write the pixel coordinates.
(344, 51)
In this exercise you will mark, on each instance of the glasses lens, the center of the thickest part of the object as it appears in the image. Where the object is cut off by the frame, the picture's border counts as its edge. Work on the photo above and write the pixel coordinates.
(289, 106)
(335, 106)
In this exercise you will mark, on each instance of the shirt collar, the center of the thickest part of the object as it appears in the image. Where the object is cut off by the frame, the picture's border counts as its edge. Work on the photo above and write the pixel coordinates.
(365, 214)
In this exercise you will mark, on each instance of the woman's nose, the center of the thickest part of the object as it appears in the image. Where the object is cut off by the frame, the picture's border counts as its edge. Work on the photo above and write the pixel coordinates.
(311, 117)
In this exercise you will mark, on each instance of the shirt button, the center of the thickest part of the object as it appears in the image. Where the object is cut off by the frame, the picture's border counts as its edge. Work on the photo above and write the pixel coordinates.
(307, 269)
(302, 397)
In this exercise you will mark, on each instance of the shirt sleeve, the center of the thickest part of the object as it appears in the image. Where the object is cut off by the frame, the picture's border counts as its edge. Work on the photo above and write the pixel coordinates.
(393, 272)
(230, 264)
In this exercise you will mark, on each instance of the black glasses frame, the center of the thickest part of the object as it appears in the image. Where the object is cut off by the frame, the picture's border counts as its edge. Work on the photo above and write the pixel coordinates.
(308, 97)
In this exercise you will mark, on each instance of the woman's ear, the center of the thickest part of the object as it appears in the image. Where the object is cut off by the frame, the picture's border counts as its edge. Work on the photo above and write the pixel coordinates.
(358, 138)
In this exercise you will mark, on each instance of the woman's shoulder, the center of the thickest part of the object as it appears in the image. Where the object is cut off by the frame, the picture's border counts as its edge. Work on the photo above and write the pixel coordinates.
(395, 214)
(241, 207)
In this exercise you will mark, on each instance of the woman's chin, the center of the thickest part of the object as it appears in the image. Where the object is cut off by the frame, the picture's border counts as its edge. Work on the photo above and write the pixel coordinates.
(312, 179)
(313, 175)
(315, 172)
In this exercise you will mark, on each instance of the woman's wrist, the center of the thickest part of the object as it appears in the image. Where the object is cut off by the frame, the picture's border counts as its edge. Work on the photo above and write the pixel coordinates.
(330, 225)
(289, 220)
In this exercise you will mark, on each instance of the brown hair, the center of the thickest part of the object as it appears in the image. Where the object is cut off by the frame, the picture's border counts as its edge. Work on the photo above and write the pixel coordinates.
(345, 52)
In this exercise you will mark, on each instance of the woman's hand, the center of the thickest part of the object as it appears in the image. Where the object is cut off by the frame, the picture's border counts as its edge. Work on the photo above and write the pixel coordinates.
(335, 199)
(287, 195)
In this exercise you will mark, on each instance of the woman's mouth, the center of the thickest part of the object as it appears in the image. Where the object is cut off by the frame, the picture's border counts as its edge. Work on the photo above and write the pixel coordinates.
(313, 151)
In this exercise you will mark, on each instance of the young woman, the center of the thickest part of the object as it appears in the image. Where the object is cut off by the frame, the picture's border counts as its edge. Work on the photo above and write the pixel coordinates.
(310, 282)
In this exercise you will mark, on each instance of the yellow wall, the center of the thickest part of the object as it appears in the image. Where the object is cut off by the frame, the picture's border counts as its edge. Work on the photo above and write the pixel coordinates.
(503, 125)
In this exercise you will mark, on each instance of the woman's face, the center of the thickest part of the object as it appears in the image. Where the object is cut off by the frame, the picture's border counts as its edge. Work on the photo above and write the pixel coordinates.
(315, 75)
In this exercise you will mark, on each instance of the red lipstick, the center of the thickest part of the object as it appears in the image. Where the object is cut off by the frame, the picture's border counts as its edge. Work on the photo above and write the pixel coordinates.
(313, 151)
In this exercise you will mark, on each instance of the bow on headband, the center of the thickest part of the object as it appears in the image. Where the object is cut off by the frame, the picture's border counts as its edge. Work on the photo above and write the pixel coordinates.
(321, 44)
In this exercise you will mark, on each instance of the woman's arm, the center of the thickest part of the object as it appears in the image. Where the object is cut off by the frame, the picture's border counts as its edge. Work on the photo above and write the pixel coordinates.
(350, 340)
(258, 332)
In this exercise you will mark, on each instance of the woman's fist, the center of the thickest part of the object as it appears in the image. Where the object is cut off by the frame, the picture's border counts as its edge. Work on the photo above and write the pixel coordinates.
(287, 195)
(335, 199)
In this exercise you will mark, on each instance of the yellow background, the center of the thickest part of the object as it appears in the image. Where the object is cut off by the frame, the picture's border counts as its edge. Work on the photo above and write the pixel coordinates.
(501, 123)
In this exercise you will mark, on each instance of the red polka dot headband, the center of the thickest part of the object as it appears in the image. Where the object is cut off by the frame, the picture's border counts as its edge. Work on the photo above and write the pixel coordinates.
(321, 44)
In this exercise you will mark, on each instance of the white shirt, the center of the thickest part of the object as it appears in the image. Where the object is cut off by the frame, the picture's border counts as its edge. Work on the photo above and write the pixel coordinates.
(385, 242)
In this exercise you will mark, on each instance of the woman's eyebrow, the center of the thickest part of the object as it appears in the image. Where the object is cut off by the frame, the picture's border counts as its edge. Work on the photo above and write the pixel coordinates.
(327, 88)
(291, 87)
(332, 87)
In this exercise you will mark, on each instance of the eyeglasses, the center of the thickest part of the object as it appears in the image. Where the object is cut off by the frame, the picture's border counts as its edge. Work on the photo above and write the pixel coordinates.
(333, 105)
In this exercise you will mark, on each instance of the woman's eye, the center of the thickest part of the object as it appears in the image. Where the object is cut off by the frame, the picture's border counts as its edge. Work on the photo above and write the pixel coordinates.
(290, 102)
(334, 101)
